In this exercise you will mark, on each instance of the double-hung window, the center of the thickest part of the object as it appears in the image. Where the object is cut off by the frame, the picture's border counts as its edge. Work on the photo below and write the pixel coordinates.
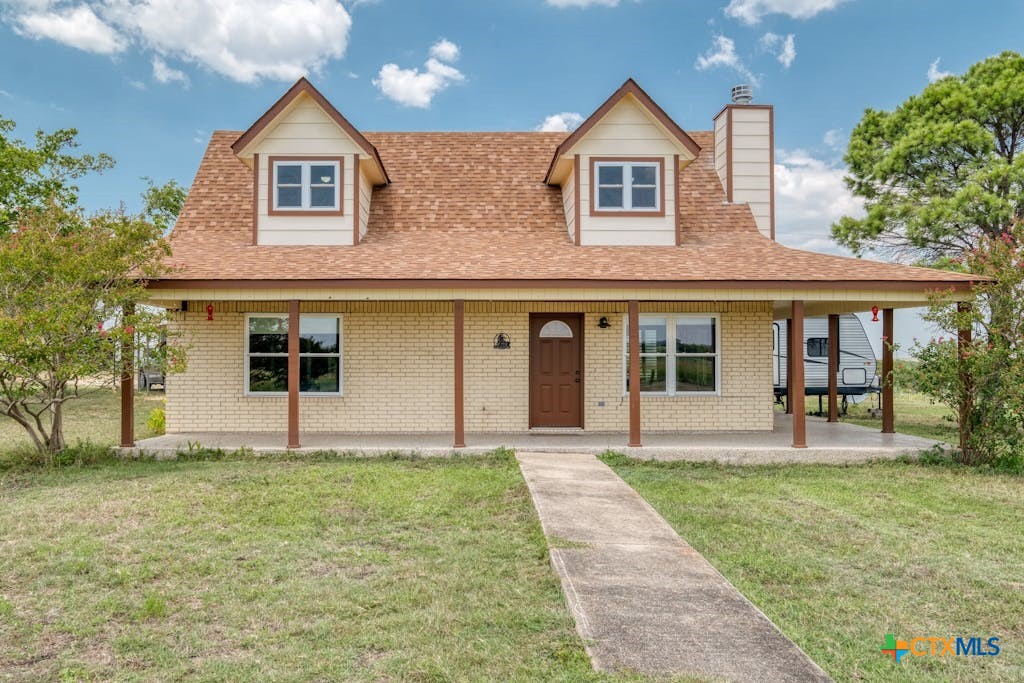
(633, 186)
(679, 354)
(313, 186)
(266, 354)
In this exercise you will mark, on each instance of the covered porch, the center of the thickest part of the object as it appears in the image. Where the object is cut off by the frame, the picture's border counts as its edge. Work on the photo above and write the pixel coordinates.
(478, 393)
(837, 443)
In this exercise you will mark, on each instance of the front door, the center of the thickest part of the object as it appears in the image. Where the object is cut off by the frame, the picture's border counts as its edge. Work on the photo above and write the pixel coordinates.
(556, 370)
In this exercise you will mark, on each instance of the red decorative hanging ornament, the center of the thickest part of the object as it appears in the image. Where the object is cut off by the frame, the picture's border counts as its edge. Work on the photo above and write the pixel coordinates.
(209, 311)
(874, 314)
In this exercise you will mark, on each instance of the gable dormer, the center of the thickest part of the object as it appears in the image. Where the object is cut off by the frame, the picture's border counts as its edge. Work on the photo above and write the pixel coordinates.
(313, 172)
(618, 172)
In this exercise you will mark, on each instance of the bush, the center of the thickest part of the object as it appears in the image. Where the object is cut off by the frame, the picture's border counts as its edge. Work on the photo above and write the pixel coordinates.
(157, 421)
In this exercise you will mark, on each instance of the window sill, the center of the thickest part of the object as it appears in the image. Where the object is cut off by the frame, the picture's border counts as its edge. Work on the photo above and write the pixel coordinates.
(627, 213)
(678, 394)
(284, 394)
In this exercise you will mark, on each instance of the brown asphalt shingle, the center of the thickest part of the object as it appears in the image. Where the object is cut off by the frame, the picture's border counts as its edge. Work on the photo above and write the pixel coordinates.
(474, 206)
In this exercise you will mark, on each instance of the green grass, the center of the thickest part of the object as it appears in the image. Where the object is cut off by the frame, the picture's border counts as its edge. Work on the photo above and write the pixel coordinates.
(914, 414)
(280, 569)
(839, 556)
(94, 418)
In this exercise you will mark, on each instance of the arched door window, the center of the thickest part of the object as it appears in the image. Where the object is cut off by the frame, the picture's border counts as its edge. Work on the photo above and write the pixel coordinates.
(555, 329)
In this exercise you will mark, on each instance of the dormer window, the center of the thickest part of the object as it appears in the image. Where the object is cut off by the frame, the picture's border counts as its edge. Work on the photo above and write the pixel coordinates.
(631, 187)
(306, 186)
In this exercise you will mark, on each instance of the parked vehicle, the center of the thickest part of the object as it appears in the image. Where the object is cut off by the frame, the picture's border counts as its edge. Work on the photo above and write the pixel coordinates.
(857, 363)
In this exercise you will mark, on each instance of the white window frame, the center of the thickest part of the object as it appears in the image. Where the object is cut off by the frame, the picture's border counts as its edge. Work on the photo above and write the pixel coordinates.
(671, 355)
(306, 184)
(627, 185)
(340, 355)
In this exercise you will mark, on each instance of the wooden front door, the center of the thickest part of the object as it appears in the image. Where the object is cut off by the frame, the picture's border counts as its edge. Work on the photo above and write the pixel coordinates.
(556, 370)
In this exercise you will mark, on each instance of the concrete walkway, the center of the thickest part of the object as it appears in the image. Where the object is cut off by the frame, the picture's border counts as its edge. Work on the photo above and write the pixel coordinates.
(642, 598)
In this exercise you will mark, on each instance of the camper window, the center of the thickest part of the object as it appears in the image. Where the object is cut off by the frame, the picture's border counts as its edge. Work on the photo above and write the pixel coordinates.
(817, 347)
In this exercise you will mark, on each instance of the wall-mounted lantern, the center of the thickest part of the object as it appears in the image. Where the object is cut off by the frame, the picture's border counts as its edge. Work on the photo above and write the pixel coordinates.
(603, 323)
(874, 314)
(209, 311)
(502, 341)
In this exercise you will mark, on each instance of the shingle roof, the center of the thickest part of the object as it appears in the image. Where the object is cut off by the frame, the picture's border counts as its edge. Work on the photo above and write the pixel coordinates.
(473, 206)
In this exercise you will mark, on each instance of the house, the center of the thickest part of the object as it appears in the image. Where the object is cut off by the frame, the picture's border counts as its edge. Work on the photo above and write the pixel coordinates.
(622, 278)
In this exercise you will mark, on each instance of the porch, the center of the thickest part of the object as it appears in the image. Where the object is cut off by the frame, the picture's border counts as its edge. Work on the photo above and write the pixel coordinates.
(831, 443)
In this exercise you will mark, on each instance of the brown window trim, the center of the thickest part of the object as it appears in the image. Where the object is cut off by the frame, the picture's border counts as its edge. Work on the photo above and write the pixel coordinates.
(271, 211)
(594, 161)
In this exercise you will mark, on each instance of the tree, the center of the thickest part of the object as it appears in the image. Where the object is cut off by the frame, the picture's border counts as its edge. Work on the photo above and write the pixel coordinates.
(943, 170)
(32, 178)
(982, 381)
(69, 284)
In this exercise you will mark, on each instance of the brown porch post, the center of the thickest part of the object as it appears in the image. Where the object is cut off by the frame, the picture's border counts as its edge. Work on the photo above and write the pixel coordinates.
(963, 339)
(128, 386)
(833, 367)
(460, 423)
(634, 374)
(789, 366)
(796, 382)
(293, 373)
(887, 413)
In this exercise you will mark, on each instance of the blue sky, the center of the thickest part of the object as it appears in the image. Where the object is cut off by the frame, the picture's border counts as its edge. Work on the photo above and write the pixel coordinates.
(148, 80)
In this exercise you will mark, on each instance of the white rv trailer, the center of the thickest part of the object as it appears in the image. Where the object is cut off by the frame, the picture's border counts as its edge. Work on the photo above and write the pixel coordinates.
(857, 364)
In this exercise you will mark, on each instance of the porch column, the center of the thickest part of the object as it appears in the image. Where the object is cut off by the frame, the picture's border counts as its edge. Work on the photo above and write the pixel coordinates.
(789, 366)
(293, 373)
(634, 374)
(963, 343)
(887, 413)
(833, 367)
(460, 423)
(796, 376)
(128, 386)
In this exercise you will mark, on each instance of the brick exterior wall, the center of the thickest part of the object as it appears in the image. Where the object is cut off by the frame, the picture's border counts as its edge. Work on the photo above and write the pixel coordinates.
(397, 370)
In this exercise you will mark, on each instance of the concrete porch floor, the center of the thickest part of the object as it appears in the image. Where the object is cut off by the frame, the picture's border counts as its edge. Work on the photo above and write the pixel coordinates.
(827, 443)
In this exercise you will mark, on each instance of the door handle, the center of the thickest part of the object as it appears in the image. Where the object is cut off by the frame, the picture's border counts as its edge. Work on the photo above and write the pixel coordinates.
(577, 379)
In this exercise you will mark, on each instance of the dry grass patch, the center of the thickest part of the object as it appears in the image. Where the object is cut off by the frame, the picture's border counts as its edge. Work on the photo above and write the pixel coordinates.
(361, 570)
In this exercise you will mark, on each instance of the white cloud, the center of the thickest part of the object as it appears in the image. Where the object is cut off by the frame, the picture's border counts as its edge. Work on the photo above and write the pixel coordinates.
(582, 3)
(137, 84)
(810, 195)
(415, 88)
(201, 137)
(722, 53)
(833, 138)
(751, 11)
(77, 27)
(560, 123)
(445, 50)
(934, 74)
(165, 74)
(783, 47)
(245, 40)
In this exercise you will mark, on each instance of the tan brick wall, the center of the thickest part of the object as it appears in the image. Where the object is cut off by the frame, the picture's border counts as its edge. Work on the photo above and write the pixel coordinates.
(397, 370)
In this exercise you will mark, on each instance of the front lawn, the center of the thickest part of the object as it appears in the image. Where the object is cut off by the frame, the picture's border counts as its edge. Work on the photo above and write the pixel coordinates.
(839, 556)
(288, 569)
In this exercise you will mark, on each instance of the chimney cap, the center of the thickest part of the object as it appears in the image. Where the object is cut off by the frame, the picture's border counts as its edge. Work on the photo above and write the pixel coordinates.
(742, 94)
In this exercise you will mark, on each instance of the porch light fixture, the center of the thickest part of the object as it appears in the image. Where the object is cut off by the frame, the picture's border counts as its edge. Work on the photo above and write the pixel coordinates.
(874, 314)
(603, 323)
(502, 341)
(209, 311)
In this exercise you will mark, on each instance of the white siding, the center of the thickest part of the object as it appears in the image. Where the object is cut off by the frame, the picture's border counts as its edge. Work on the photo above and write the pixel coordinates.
(306, 130)
(751, 163)
(627, 131)
(720, 147)
(365, 196)
(569, 204)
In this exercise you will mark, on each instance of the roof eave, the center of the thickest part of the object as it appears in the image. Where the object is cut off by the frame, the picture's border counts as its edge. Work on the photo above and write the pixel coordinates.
(630, 87)
(303, 86)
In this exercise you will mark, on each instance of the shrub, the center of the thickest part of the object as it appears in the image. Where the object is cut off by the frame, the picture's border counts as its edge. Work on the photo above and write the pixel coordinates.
(157, 421)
